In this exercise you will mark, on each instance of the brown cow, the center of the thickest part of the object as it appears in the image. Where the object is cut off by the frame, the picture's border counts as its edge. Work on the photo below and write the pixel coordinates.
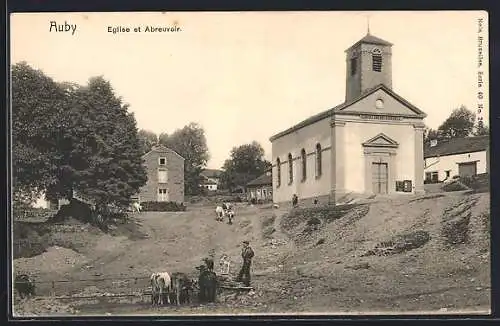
(181, 288)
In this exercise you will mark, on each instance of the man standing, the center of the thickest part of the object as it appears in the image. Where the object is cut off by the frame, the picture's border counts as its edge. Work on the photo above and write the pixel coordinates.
(209, 263)
(247, 255)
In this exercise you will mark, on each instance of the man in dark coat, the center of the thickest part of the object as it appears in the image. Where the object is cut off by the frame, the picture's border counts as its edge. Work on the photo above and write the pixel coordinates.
(247, 254)
(209, 263)
(295, 200)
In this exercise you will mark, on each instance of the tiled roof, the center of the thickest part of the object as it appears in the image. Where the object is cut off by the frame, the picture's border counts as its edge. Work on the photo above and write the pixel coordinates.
(370, 39)
(457, 146)
(211, 173)
(162, 149)
(263, 180)
(343, 108)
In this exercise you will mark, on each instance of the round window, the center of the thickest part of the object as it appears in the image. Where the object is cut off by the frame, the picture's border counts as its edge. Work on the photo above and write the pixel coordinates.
(379, 104)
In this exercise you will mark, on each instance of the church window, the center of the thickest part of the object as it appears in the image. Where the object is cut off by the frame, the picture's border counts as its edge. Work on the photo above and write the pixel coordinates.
(377, 62)
(318, 160)
(304, 164)
(354, 67)
(290, 168)
(278, 172)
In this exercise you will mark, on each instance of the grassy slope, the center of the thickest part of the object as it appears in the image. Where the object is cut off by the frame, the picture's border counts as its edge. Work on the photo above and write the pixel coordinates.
(291, 273)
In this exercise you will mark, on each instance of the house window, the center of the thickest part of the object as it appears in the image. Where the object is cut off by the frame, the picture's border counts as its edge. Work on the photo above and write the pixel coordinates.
(162, 161)
(290, 168)
(354, 67)
(448, 173)
(162, 176)
(304, 164)
(318, 160)
(162, 194)
(377, 62)
(278, 172)
(432, 177)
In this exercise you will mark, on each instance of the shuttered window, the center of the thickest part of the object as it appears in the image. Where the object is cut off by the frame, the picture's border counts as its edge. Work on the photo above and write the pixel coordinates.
(377, 62)
(162, 176)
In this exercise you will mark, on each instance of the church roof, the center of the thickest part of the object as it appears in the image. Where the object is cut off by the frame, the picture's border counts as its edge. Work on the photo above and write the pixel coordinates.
(344, 109)
(370, 39)
(458, 146)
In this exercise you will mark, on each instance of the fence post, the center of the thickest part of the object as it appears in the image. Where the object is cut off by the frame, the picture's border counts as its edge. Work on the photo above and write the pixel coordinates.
(53, 291)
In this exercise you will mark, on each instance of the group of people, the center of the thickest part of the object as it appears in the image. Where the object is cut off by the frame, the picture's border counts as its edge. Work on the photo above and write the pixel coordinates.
(247, 254)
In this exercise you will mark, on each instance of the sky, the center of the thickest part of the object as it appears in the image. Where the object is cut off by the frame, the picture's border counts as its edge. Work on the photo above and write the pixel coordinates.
(245, 76)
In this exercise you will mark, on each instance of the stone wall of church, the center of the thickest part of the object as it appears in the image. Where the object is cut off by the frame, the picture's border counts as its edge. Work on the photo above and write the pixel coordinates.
(305, 138)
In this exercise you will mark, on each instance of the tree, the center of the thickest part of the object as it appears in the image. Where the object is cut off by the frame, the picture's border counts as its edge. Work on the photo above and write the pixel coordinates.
(245, 164)
(190, 142)
(163, 138)
(481, 129)
(147, 140)
(38, 120)
(459, 124)
(100, 154)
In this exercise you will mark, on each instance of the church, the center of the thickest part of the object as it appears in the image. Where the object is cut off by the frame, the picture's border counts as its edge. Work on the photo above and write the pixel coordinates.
(372, 143)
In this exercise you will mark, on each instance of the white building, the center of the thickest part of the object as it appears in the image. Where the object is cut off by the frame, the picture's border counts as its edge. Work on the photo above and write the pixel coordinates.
(445, 159)
(210, 179)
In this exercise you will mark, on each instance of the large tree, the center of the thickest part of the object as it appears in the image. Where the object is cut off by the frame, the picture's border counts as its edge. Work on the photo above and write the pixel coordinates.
(147, 140)
(189, 142)
(100, 154)
(246, 163)
(459, 124)
(39, 117)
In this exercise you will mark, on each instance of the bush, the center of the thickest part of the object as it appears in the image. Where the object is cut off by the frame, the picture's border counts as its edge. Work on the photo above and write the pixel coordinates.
(162, 206)
(454, 186)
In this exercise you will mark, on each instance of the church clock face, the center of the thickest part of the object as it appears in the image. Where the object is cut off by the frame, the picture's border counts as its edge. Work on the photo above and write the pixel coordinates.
(379, 104)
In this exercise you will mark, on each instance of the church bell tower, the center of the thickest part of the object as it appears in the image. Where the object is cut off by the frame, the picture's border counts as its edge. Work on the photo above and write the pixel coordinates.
(368, 64)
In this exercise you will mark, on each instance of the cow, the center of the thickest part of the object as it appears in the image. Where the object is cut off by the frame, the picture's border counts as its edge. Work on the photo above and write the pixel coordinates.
(182, 288)
(224, 264)
(136, 207)
(220, 213)
(24, 285)
(160, 288)
(230, 217)
(207, 281)
(227, 206)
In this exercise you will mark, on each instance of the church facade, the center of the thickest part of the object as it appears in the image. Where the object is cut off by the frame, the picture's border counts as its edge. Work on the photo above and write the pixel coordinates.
(370, 144)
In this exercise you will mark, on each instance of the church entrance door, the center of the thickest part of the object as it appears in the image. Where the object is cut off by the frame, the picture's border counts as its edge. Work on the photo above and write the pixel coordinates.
(380, 177)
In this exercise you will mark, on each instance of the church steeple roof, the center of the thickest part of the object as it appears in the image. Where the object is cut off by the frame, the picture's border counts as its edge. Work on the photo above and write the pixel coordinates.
(370, 39)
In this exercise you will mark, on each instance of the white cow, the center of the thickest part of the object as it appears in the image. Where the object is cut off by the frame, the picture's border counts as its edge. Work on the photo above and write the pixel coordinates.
(136, 207)
(220, 213)
(160, 288)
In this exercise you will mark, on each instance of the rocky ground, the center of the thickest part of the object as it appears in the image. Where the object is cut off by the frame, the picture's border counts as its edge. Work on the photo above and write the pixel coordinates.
(384, 254)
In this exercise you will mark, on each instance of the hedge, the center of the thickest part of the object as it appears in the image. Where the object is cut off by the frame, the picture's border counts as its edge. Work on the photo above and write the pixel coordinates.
(162, 206)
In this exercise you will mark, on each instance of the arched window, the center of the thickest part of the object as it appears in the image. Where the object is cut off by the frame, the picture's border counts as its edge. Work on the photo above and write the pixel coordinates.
(290, 168)
(278, 172)
(318, 160)
(304, 164)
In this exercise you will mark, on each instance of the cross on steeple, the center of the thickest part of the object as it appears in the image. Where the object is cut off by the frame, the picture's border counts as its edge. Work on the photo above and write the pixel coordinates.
(368, 24)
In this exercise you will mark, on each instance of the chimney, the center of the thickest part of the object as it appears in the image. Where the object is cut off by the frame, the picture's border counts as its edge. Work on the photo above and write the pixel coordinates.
(434, 142)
